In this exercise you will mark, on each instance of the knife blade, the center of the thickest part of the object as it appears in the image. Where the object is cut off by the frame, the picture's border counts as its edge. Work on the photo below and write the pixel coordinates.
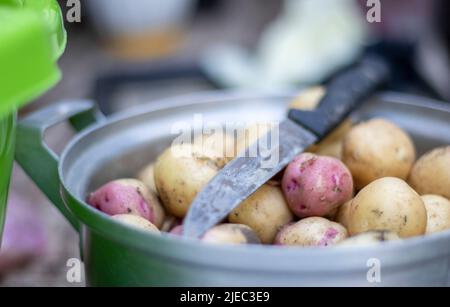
(245, 174)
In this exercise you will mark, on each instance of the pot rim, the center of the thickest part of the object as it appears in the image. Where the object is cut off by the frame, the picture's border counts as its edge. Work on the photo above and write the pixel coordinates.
(413, 250)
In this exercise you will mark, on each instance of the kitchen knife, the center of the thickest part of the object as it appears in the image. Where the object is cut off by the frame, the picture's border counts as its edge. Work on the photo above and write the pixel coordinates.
(245, 174)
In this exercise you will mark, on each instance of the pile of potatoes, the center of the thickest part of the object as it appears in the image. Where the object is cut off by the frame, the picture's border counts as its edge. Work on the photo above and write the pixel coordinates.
(360, 185)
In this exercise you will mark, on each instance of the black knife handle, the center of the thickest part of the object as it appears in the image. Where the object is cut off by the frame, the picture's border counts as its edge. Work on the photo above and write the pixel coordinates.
(344, 93)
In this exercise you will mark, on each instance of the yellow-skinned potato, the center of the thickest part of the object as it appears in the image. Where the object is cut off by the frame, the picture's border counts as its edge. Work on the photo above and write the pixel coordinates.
(265, 211)
(438, 213)
(181, 172)
(370, 238)
(220, 142)
(231, 234)
(147, 176)
(431, 173)
(375, 149)
(311, 231)
(308, 99)
(136, 221)
(332, 144)
(388, 204)
(343, 213)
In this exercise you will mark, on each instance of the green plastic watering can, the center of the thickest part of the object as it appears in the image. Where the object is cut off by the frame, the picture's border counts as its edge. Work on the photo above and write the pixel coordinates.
(32, 37)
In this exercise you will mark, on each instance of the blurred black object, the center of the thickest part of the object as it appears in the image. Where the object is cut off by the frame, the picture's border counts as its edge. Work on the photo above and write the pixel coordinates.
(443, 13)
(405, 77)
(124, 88)
(113, 91)
(206, 5)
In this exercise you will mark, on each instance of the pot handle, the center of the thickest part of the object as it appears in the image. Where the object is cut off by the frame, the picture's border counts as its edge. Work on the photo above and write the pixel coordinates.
(37, 159)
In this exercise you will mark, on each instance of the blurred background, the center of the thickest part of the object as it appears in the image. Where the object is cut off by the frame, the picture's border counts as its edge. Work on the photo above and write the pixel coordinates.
(126, 53)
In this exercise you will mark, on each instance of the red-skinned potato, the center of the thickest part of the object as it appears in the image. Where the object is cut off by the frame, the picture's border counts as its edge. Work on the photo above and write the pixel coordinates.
(311, 231)
(316, 185)
(128, 196)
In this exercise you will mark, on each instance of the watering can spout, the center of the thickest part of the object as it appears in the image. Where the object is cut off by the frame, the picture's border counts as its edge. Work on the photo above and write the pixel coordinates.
(32, 38)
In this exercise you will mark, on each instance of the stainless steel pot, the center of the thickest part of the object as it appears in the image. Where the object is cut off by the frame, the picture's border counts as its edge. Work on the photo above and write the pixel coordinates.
(118, 147)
